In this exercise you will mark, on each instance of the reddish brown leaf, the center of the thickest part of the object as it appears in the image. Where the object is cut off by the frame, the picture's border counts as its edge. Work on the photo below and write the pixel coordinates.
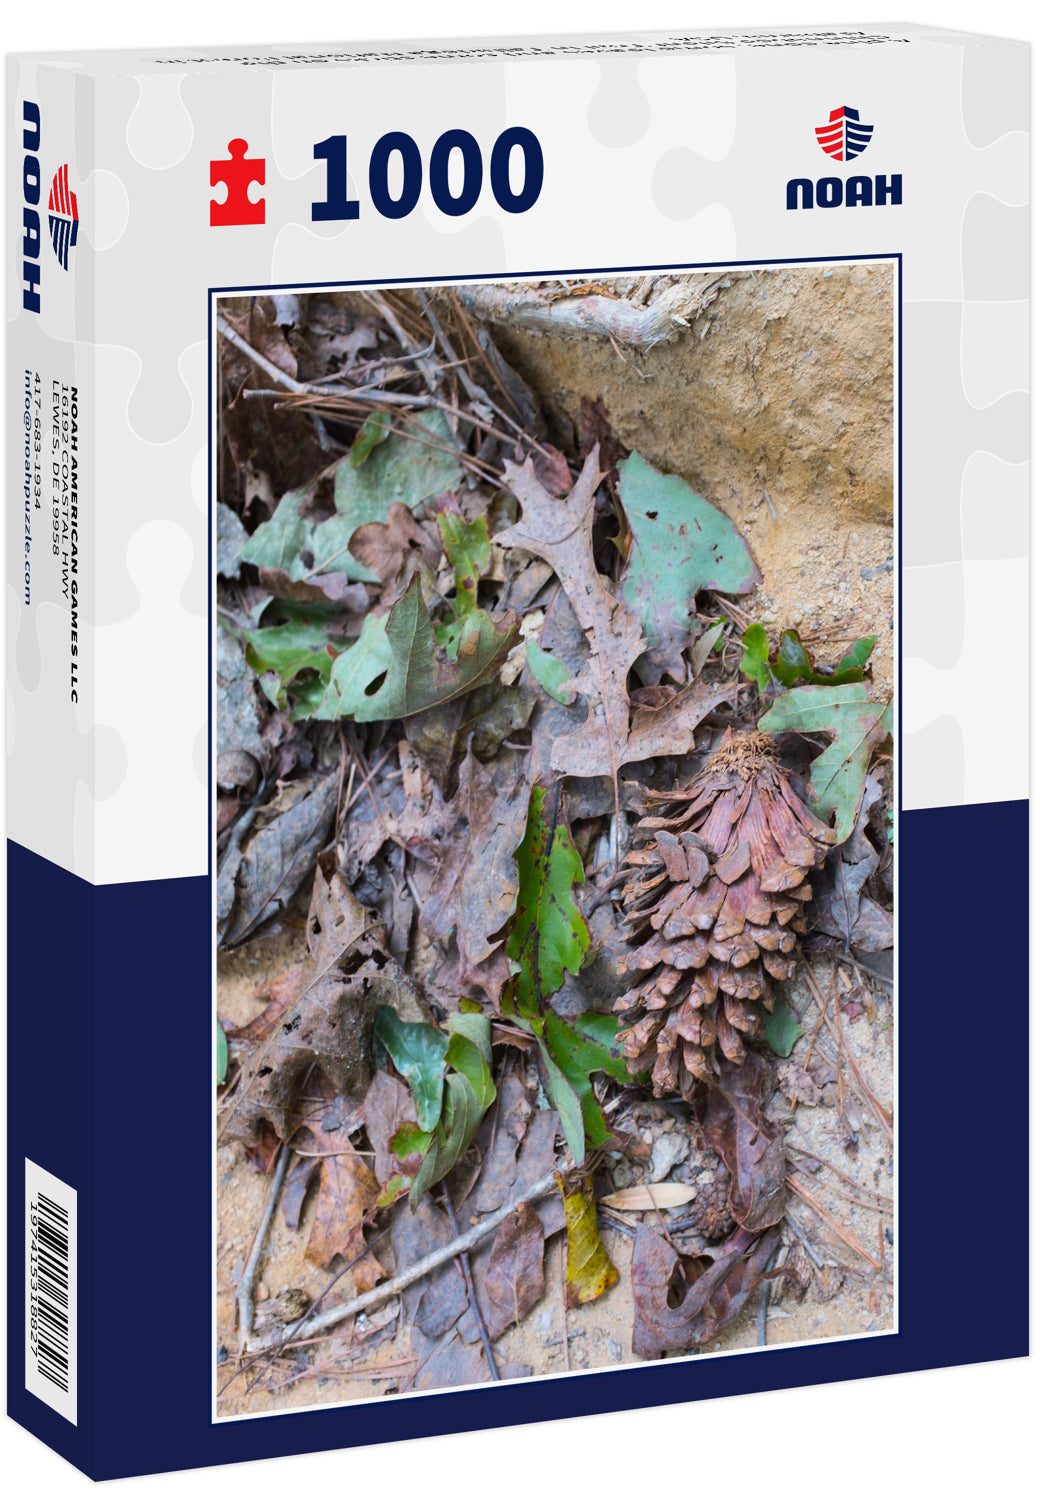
(228, 809)
(552, 470)
(684, 1302)
(475, 887)
(335, 588)
(750, 1145)
(347, 1187)
(514, 1279)
(661, 1280)
(387, 548)
(388, 1104)
(298, 1181)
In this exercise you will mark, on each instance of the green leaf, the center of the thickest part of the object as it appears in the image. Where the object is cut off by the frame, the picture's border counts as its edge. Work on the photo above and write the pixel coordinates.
(277, 542)
(466, 1058)
(397, 667)
(548, 936)
(426, 1176)
(288, 650)
(462, 1114)
(549, 673)
(782, 1030)
(755, 662)
(564, 1047)
(418, 1053)
(792, 660)
(395, 1187)
(794, 663)
(601, 1049)
(680, 543)
(855, 726)
(222, 1054)
(578, 1053)
(468, 549)
(589, 1268)
(471, 1022)
(408, 1140)
(375, 429)
(564, 1098)
(409, 467)
(854, 661)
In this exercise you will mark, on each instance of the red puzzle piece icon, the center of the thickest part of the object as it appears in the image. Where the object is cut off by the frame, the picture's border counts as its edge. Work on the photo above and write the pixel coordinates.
(237, 173)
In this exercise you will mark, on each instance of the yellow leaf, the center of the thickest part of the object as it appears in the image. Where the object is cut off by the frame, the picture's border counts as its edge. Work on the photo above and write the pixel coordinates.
(590, 1270)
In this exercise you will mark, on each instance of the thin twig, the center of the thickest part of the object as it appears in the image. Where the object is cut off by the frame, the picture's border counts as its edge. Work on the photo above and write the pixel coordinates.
(831, 1222)
(465, 1241)
(272, 372)
(793, 1224)
(883, 1115)
(471, 1291)
(426, 367)
(563, 1280)
(882, 1198)
(245, 1300)
(763, 1298)
(280, 1342)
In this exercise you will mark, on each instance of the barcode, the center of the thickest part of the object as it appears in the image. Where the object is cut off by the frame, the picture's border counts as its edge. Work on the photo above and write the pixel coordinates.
(50, 1290)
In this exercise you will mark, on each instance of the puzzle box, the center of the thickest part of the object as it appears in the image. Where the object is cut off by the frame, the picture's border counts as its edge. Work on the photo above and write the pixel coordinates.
(498, 593)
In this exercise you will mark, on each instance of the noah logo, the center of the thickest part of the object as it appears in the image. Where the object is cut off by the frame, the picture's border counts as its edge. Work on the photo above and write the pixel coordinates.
(843, 136)
(62, 216)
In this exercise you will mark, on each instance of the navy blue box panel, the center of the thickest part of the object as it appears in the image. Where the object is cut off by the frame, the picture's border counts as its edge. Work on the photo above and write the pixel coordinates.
(110, 1089)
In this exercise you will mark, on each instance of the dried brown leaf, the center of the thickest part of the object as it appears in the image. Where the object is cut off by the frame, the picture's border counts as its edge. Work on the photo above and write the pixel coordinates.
(684, 1302)
(750, 1145)
(280, 854)
(514, 1279)
(560, 532)
(388, 1103)
(474, 890)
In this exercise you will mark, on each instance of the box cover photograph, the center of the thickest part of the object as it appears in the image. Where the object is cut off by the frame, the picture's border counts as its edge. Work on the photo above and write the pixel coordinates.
(536, 775)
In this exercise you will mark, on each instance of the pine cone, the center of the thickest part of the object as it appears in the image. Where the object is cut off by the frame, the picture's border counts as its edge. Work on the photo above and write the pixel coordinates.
(710, 1209)
(716, 908)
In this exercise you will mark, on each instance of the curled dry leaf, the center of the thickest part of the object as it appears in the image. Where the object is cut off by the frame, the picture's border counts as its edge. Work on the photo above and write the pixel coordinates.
(684, 1301)
(750, 1145)
(843, 909)
(384, 547)
(808, 1087)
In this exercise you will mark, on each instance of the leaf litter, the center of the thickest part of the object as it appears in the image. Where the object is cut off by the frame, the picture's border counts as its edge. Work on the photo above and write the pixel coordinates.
(449, 646)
